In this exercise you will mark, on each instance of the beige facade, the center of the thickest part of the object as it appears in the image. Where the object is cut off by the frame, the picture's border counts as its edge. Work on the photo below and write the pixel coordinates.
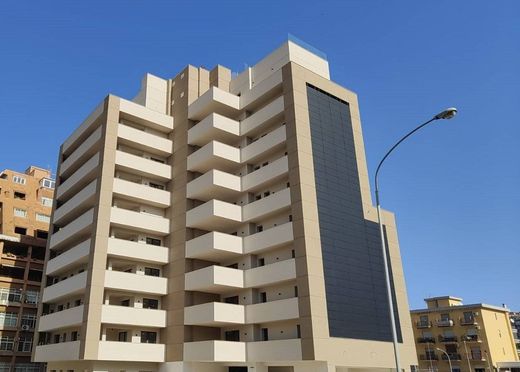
(187, 232)
(476, 337)
(25, 207)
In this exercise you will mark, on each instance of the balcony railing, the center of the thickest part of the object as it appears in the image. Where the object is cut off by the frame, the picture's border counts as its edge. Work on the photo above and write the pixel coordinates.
(452, 356)
(477, 356)
(447, 339)
(468, 321)
(471, 338)
(444, 323)
(428, 357)
(423, 324)
(426, 340)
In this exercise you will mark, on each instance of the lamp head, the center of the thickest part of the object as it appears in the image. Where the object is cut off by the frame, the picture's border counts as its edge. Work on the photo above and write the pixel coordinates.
(446, 114)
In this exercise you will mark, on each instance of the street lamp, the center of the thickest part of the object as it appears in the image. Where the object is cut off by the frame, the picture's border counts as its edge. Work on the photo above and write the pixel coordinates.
(448, 356)
(446, 114)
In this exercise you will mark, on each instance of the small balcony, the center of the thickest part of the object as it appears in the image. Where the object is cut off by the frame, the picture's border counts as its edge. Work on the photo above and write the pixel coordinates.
(62, 319)
(214, 279)
(75, 205)
(444, 323)
(214, 246)
(272, 141)
(145, 116)
(267, 115)
(122, 315)
(468, 321)
(423, 324)
(453, 356)
(63, 351)
(74, 256)
(268, 239)
(66, 288)
(270, 173)
(272, 311)
(130, 351)
(471, 338)
(214, 155)
(429, 357)
(214, 127)
(448, 339)
(130, 282)
(140, 221)
(214, 314)
(269, 274)
(426, 340)
(73, 231)
(477, 356)
(265, 207)
(143, 167)
(83, 152)
(215, 351)
(141, 193)
(215, 100)
(214, 184)
(275, 350)
(144, 141)
(135, 251)
(214, 215)
(81, 177)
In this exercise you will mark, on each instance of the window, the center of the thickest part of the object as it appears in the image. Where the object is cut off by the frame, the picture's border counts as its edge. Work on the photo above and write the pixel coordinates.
(18, 212)
(150, 303)
(74, 336)
(25, 344)
(148, 337)
(56, 339)
(19, 195)
(42, 234)
(259, 228)
(263, 297)
(10, 295)
(20, 230)
(445, 317)
(295, 291)
(153, 241)
(298, 331)
(156, 186)
(231, 300)
(6, 343)
(8, 319)
(150, 271)
(31, 297)
(46, 202)
(47, 183)
(232, 335)
(265, 334)
(122, 336)
(19, 180)
(29, 320)
(290, 218)
(43, 218)
(261, 262)
(293, 253)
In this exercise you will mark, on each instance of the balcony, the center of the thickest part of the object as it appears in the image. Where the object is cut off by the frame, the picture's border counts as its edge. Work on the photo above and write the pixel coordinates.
(468, 321)
(137, 251)
(272, 311)
(265, 207)
(73, 230)
(214, 314)
(66, 288)
(141, 193)
(121, 315)
(215, 351)
(130, 351)
(63, 351)
(471, 338)
(72, 257)
(140, 221)
(214, 155)
(423, 324)
(448, 339)
(272, 141)
(214, 127)
(214, 184)
(268, 239)
(276, 350)
(453, 356)
(130, 282)
(270, 173)
(267, 115)
(426, 340)
(214, 246)
(477, 356)
(86, 173)
(274, 273)
(144, 141)
(428, 357)
(444, 323)
(215, 100)
(214, 279)
(141, 166)
(85, 150)
(62, 319)
(144, 116)
(214, 215)
(75, 205)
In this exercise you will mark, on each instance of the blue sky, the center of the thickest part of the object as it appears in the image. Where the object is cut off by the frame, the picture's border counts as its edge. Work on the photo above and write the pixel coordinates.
(454, 187)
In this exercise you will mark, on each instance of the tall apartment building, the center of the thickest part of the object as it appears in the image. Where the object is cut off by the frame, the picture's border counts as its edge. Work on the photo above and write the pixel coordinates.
(476, 337)
(221, 223)
(25, 209)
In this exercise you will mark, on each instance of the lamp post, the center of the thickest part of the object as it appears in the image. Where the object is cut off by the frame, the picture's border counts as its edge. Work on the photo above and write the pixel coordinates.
(446, 114)
(447, 356)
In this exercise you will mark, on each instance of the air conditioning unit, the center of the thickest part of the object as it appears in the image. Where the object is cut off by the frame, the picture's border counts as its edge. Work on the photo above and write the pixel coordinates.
(25, 327)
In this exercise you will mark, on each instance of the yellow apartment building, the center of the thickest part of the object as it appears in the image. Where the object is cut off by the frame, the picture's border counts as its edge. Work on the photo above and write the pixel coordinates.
(476, 337)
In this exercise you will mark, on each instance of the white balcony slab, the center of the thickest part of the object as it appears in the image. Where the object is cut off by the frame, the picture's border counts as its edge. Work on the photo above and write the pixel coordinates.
(142, 140)
(270, 173)
(142, 166)
(214, 100)
(267, 87)
(73, 230)
(214, 279)
(272, 141)
(144, 116)
(215, 351)
(268, 239)
(80, 201)
(140, 221)
(123, 315)
(262, 118)
(277, 272)
(85, 127)
(214, 246)
(214, 215)
(63, 351)
(62, 319)
(79, 178)
(137, 251)
(213, 184)
(275, 350)
(214, 314)
(130, 351)
(83, 152)
(72, 257)
(71, 286)
(274, 203)
(214, 127)
(273, 311)
(141, 193)
(130, 282)
(214, 155)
